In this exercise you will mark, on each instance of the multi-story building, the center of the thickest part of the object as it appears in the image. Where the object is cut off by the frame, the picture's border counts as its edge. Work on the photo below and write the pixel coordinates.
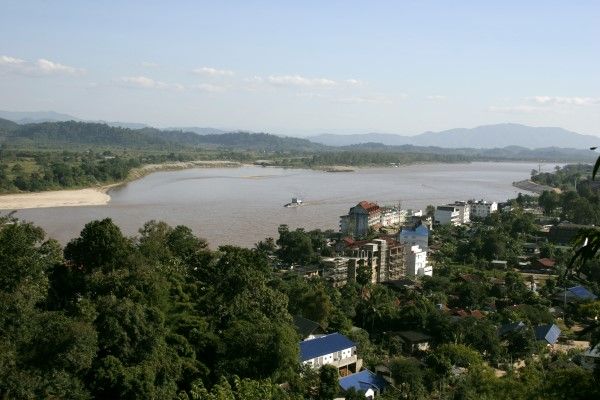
(416, 262)
(417, 234)
(482, 209)
(360, 218)
(335, 270)
(392, 216)
(384, 257)
(447, 214)
(464, 211)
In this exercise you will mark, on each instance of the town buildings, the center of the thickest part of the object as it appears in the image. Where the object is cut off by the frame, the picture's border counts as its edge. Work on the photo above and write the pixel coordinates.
(461, 212)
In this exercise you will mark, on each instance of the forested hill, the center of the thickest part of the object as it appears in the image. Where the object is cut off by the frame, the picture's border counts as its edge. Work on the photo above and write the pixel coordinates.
(72, 134)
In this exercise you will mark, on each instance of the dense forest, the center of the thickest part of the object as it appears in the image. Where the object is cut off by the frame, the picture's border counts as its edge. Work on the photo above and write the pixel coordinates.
(161, 316)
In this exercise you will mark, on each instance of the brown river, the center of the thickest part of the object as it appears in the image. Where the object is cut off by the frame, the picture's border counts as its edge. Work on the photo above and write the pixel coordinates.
(244, 205)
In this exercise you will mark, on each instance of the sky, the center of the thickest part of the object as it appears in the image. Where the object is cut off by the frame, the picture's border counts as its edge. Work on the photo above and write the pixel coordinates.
(306, 67)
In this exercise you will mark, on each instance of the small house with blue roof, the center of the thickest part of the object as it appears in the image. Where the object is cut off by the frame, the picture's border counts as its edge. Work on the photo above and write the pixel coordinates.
(548, 333)
(364, 382)
(333, 349)
(575, 294)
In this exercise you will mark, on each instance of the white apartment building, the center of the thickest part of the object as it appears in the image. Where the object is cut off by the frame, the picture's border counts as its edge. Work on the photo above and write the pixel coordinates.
(448, 214)
(416, 262)
(464, 211)
(483, 209)
(392, 216)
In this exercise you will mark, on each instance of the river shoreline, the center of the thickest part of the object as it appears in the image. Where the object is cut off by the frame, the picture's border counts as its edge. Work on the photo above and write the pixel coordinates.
(97, 196)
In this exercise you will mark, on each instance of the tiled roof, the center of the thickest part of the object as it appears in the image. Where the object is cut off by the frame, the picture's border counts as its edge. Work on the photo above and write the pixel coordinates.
(363, 381)
(369, 206)
(323, 345)
(546, 262)
(548, 332)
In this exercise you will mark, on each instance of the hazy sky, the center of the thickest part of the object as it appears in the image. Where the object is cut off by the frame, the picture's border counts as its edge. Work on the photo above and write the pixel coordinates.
(302, 67)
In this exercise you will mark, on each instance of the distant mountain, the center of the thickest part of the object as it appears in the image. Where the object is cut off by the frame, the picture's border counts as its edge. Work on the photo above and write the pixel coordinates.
(72, 134)
(7, 126)
(487, 136)
(28, 117)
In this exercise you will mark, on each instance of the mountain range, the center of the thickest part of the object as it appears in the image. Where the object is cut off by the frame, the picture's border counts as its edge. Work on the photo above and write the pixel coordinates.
(481, 137)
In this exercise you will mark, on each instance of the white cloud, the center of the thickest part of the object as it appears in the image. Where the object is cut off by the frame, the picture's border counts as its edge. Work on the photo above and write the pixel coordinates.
(40, 67)
(521, 109)
(149, 64)
(143, 82)
(297, 80)
(353, 82)
(570, 101)
(208, 71)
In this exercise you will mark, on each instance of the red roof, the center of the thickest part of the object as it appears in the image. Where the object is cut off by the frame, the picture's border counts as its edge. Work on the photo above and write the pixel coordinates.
(546, 262)
(369, 206)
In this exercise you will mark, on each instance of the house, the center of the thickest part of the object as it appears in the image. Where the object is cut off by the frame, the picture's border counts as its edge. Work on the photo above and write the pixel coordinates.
(544, 265)
(333, 349)
(483, 209)
(548, 333)
(418, 235)
(565, 232)
(307, 328)
(365, 382)
(531, 249)
(416, 262)
(510, 328)
(360, 218)
(413, 341)
(576, 293)
(499, 264)
(590, 359)
(447, 215)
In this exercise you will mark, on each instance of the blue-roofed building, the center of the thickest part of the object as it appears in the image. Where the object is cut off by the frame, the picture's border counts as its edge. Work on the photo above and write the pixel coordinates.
(365, 382)
(333, 349)
(575, 294)
(580, 293)
(548, 333)
(416, 235)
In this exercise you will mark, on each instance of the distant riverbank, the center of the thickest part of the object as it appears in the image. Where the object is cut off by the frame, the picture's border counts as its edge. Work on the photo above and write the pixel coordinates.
(96, 196)
(531, 186)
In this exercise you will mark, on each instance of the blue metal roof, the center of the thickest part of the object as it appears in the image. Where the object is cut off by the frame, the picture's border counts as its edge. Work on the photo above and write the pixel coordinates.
(548, 332)
(363, 381)
(323, 345)
(420, 230)
(582, 293)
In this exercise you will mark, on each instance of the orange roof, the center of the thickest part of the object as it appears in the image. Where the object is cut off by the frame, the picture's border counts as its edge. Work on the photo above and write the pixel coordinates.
(369, 206)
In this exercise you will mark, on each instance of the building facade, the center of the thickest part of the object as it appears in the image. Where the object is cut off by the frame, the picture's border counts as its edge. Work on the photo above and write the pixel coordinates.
(483, 209)
(415, 235)
(360, 218)
(447, 215)
(416, 262)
